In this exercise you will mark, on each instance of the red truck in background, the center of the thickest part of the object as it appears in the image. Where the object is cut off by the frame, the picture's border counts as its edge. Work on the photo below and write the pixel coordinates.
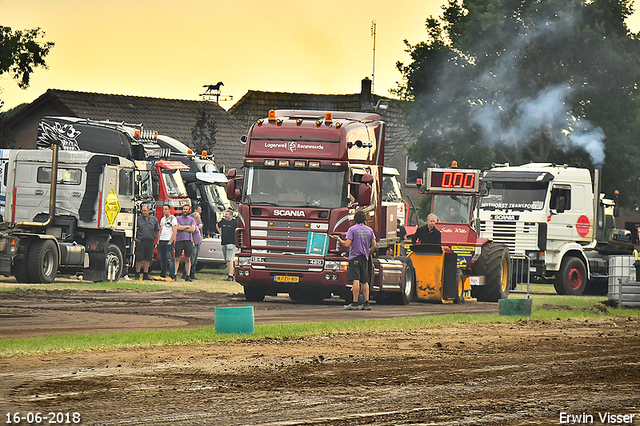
(306, 173)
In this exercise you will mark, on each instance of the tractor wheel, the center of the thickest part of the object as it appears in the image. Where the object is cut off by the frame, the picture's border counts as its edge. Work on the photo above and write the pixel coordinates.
(572, 277)
(114, 259)
(42, 263)
(254, 292)
(493, 263)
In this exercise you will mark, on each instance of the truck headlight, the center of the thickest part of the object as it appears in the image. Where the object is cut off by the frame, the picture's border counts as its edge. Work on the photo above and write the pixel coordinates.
(244, 261)
(335, 265)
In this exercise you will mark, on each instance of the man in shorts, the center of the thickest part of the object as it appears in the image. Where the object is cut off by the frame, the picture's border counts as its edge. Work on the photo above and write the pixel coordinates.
(184, 243)
(227, 229)
(147, 232)
(361, 242)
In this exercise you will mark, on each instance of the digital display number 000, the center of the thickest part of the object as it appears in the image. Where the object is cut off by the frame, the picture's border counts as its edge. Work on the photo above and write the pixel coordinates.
(453, 180)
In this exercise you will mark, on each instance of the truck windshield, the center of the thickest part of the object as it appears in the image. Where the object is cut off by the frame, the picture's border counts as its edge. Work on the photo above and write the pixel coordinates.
(452, 208)
(217, 196)
(391, 188)
(296, 188)
(173, 183)
(515, 196)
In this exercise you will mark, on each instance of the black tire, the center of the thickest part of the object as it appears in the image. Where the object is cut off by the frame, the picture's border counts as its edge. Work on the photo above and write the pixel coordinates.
(460, 293)
(408, 289)
(572, 277)
(114, 258)
(42, 263)
(254, 293)
(493, 263)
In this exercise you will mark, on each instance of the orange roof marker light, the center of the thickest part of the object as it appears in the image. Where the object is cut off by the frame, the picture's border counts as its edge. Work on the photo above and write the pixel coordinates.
(454, 164)
(272, 116)
(328, 118)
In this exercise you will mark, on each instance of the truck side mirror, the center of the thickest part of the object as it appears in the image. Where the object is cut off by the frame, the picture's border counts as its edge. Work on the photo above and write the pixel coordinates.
(364, 194)
(234, 191)
(231, 174)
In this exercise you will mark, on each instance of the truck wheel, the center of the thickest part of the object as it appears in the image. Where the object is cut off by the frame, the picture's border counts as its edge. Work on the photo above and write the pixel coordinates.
(407, 286)
(493, 263)
(42, 263)
(114, 259)
(572, 277)
(254, 293)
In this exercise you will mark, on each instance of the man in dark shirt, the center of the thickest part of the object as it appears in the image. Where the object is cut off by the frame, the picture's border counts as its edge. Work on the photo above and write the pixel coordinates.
(428, 234)
(147, 233)
(227, 229)
(401, 231)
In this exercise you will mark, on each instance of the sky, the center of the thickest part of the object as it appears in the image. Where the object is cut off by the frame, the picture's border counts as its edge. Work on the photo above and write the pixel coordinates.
(172, 48)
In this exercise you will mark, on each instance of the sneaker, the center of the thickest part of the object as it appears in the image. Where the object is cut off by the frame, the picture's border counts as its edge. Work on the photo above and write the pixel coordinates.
(184, 276)
(169, 279)
(353, 307)
(366, 306)
(159, 278)
(188, 278)
(137, 276)
(146, 277)
(193, 277)
(230, 278)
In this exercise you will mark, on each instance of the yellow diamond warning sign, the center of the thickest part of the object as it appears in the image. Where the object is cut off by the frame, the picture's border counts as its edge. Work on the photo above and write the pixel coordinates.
(112, 207)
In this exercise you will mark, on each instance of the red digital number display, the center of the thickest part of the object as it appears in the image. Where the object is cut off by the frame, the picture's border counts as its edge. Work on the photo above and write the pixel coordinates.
(453, 180)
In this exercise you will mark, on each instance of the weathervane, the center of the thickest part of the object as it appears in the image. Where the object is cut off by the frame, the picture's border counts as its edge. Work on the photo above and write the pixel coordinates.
(212, 90)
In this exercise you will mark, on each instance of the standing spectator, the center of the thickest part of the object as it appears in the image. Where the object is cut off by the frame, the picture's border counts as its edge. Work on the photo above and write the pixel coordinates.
(401, 231)
(168, 230)
(361, 242)
(197, 239)
(147, 233)
(184, 244)
(227, 229)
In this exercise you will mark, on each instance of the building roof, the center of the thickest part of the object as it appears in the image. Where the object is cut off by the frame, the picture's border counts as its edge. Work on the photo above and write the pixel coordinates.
(171, 117)
(256, 104)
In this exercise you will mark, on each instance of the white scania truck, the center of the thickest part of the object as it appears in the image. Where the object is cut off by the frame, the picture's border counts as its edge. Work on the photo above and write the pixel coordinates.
(549, 215)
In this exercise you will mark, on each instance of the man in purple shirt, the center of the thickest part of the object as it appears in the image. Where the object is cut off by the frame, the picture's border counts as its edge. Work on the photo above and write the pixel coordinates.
(184, 244)
(361, 241)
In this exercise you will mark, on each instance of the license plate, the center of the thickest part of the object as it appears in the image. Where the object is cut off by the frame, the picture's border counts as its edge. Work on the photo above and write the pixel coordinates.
(286, 279)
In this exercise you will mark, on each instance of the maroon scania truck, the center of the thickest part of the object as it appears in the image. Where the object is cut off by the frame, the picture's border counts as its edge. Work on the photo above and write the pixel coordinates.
(305, 174)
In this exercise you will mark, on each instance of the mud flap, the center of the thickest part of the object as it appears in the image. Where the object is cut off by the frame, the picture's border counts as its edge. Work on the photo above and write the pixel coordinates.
(450, 279)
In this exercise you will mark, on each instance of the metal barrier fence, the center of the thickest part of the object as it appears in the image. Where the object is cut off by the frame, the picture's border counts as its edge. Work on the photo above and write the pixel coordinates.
(520, 266)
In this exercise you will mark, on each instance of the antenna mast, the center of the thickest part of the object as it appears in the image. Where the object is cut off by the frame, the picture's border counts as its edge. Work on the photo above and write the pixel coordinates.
(373, 73)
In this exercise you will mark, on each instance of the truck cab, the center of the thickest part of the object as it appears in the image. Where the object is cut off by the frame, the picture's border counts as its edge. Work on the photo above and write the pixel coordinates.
(545, 213)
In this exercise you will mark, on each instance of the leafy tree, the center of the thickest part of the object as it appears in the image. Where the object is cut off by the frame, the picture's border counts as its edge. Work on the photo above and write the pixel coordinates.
(523, 80)
(21, 52)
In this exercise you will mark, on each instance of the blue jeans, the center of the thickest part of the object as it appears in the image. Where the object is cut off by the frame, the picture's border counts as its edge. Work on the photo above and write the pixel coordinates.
(194, 259)
(167, 259)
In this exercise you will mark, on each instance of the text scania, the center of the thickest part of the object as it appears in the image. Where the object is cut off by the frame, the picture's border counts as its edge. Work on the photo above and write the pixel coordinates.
(298, 213)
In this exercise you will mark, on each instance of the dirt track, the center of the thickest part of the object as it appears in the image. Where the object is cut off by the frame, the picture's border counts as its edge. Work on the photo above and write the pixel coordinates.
(502, 374)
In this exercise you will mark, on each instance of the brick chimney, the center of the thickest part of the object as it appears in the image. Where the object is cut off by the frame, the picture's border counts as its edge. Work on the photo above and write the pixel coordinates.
(366, 97)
